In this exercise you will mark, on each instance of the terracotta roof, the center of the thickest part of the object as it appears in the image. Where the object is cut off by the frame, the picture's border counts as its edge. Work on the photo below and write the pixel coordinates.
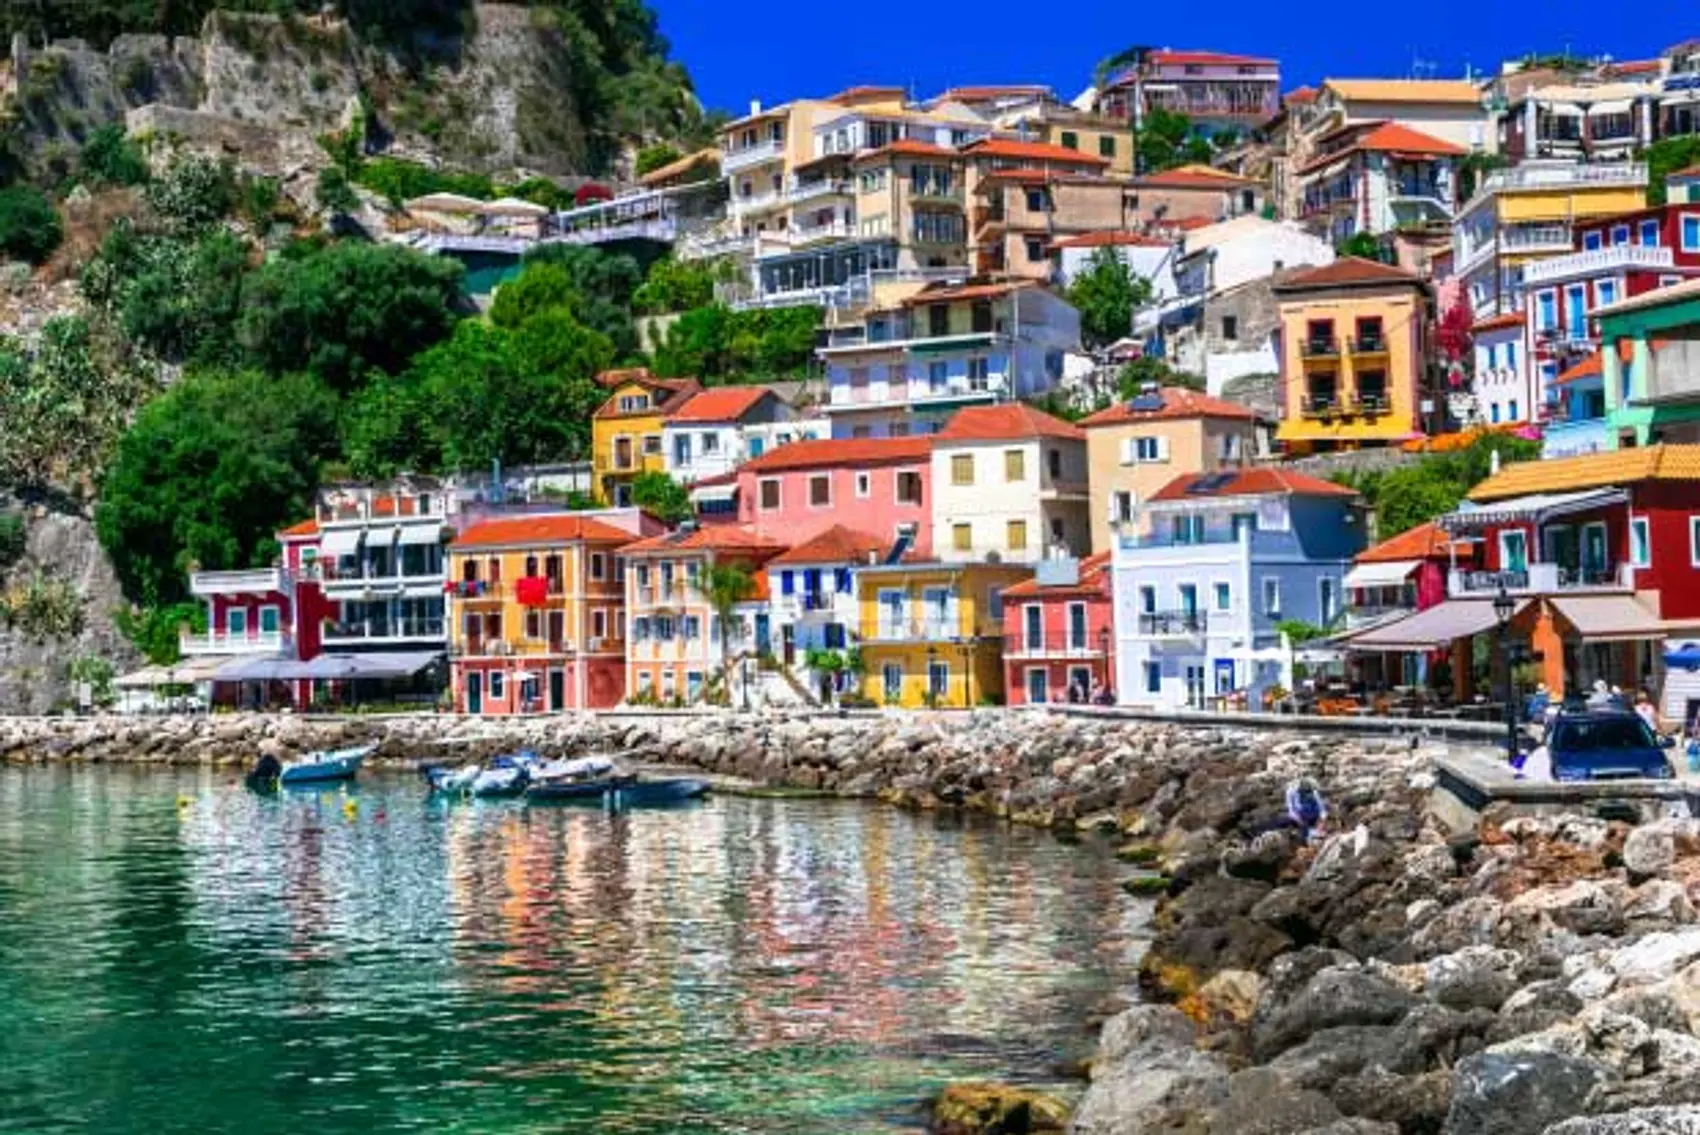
(826, 452)
(1406, 90)
(709, 538)
(1303, 95)
(1187, 224)
(1195, 177)
(302, 528)
(948, 293)
(974, 94)
(1590, 367)
(1682, 174)
(1424, 542)
(837, 545)
(1592, 471)
(622, 375)
(1345, 272)
(759, 590)
(1031, 151)
(1008, 421)
(721, 404)
(1092, 570)
(866, 91)
(1109, 239)
(909, 148)
(555, 528)
(1498, 322)
(1178, 402)
(1168, 55)
(1385, 138)
(1263, 481)
(680, 166)
(672, 394)
(1636, 67)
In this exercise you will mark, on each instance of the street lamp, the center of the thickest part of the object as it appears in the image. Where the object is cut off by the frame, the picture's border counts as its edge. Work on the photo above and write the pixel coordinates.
(968, 672)
(1104, 657)
(932, 694)
(1503, 608)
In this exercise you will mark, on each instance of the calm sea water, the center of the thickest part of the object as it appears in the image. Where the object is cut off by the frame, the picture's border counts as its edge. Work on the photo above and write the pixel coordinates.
(177, 954)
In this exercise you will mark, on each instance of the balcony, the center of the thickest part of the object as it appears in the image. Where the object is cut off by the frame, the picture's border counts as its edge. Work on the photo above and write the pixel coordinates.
(1562, 175)
(376, 630)
(1172, 624)
(1367, 405)
(933, 193)
(1541, 579)
(221, 641)
(840, 230)
(1471, 255)
(731, 161)
(1367, 345)
(1599, 261)
(669, 595)
(363, 577)
(757, 202)
(927, 628)
(258, 582)
(1055, 646)
(1536, 238)
(1363, 614)
(1322, 406)
(1319, 347)
(801, 191)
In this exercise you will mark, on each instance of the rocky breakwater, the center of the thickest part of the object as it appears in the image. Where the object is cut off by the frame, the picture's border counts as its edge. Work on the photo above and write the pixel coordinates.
(1537, 976)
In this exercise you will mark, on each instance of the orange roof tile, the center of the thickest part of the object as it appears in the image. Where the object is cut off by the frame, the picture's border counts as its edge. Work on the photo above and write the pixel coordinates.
(1384, 138)
(720, 404)
(671, 394)
(1195, 177)
(946, 293)
(1348, 271)
(1178, 402)
(815, 454)
(1498, 323)
(1407, 90)
(1683, 174)
(1031, 151)
(1110, 239)
(759, 590)
(1007, 421)
(1424, 542)
(552, 528)
(708, 538)
(866, 90)
(970, 94)
(908, 148)
(1592, 471)
(1167, 55)
(298, 530)
(837, 545)
(1302, 95)
(1254, 482)
(1590, 367)
(1092, 579)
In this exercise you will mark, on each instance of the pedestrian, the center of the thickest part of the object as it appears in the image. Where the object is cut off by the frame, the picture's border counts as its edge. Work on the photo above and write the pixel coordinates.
(1645, 709)
(1305, 807)
(1600, 696)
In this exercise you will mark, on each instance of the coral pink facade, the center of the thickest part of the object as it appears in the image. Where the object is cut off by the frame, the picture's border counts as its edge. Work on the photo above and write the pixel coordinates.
(1058, 637)
(883, 499)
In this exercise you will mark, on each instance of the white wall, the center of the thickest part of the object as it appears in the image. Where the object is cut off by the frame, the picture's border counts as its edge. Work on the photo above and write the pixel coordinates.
(992, 501)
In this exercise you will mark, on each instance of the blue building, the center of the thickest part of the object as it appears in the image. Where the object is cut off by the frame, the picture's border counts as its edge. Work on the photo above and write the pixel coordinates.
(1576, 423)
(1211, 566)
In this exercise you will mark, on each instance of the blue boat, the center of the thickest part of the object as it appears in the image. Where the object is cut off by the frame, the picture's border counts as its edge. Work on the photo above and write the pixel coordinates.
(335, 764)
(617, 792)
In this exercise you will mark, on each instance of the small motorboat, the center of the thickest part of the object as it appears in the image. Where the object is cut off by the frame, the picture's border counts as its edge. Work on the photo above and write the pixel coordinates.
(599, 781)
(495, 782)
(333, 764)
(451, 781)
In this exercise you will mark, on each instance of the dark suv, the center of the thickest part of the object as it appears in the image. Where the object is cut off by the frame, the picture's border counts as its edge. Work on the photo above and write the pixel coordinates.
(1605, 744)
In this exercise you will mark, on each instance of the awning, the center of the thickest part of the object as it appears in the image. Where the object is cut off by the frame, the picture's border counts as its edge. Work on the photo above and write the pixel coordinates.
(1608, 618)
(340, 542)
(345, 667)
(145, 678)
(421, 534)
(258, 670)
(191, 670)
(714, 494)
(1431, 629)
(1535, 507)
(1390, 573)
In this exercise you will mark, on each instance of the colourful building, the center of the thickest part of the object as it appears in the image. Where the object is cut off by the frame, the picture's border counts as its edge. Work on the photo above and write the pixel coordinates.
(932, 633)
(677, 645)
(537, 615)
(1397, 577)
(1374, 177)
(881, 486)
(626, 432)
(1009, 484)
(1216, 91)
(1353, 346)
(1650, 365)
(1058, 633)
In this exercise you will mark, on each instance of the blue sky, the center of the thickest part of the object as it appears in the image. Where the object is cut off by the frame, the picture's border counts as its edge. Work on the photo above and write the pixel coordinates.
(774, 50)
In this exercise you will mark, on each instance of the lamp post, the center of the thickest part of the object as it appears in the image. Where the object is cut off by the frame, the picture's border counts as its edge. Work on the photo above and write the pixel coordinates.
(968, 671)
(1104, 657)
(1503, 608)
(932, 696)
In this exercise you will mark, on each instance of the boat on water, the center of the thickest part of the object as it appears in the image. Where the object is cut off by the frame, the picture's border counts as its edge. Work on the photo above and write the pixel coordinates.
(451, 781)
(599, 781)
(312, 768)
(504, 776)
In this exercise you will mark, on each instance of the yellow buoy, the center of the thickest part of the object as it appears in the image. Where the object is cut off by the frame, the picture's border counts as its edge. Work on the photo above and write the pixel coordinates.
(185, 801)
(350, 807)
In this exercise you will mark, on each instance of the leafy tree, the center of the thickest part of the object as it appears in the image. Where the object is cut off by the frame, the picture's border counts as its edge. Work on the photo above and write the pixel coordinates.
(156, 631)
(29, 228)
(194, 192)
(1366, 246)
(12, 539)
(398, 180)
(348, 309)
(720, 345)
(1472, 168)
(662, 497)
(540, 287)
(675, 285)
(1105, 294)
(723, 587)
(334, 194)
(1664, 158)
(256, 198)
(1137, 373)
(1165, 140)
(1435, 483)
(652, 158)
(176, 299)
(208, 473)
(109, 157)
(98, 672)
(42, 608)
(604, 282)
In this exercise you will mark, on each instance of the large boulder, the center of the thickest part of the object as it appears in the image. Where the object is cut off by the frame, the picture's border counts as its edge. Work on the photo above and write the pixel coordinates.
(1519, 1093)
(1260, 1102)
(1147, 1073)
(996, 1109)
(1640, 1121)
(1333, 998)
(1476, 977)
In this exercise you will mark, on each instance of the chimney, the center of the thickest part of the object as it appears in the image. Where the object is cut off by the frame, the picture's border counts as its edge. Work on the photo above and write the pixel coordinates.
(755, 107)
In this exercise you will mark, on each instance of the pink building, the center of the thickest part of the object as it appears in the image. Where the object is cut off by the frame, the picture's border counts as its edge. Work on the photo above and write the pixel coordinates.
(1214, 89)
(1058, 632)
(881, 486)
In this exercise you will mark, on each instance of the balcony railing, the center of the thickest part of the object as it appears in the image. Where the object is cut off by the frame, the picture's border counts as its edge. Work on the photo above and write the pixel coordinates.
(1019, 645)
(930, 628)
(655, 594)
(383, 629)
(809, 190)
(1526, 237)
(841, 230)
(733, 160)
(1597, 260)
(1375, 344)
(220, 641)
(1172, 624)
(1534, 176)
(1321, 405)
(754, 201)
(1369, 405)
(258, 582)
(1543, 579)
(1320, 347)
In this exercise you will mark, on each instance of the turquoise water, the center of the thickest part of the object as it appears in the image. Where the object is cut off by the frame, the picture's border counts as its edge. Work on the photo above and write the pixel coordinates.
(177, 954)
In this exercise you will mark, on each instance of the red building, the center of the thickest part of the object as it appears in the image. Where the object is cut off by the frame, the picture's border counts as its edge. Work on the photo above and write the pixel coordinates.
(1398, 577)
(1058, 632)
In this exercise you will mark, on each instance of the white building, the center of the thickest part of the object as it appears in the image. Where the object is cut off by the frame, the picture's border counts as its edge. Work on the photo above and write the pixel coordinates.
(1226, 255)
(1009, 486)
(1147, 257)
(1501, 391)
(709, 434)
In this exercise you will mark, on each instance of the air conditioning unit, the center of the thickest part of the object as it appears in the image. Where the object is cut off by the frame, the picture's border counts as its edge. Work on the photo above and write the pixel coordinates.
(595, 644)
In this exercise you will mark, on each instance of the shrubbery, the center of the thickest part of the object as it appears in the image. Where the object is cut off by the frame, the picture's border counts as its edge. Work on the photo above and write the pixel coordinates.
(29, 228)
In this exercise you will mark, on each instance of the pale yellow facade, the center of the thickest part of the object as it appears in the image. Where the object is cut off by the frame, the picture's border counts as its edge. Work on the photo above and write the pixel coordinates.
(1123, 474)
(917, 200)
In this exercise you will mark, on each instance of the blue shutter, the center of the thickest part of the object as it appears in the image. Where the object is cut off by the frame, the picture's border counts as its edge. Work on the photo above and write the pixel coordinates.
(844, 583)
(811, 581)
(786, 585)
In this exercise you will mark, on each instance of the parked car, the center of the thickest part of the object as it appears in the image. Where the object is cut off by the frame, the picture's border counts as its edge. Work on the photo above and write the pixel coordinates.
(1605, 744)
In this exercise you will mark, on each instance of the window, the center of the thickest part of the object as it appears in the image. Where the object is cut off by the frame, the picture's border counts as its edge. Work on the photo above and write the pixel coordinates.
(599, 624)
(820, 490)
(864, 484)
(994, 602)
(692, 628)
(1546, 311)
(642, 575)
(598, 565)
(770, 494)
(236, 622)
(962, 537)
(1511, 410)
(962, 469)
(1014, 465)
(669, 684)
(1147, 600)
(664, 627)
(1649, 233)
(534, 624)
(652, 445)
(1224, 596)
(938, 320)
(1511, 355)
(1017, 535)
(908, 487)
(1492, 356)
(1035, 249)
(640, 628)
(1620, 234)
(1590, 241)
(1513, 550)
(498, 682)
(1327, 596)
(891, 681)
(1070, 140)
(1493, 412)
(1187, 529)
(711, 443)
(1121, 507)
(1153, 677)
(1230, 328)
(1054, 464)
(1140, 449)
(938, 376)
(1605, 291)
(1036, 201)
(1106, 145)
(1033, 626)
(979, 373)
(1575, 308)
(1640, 543)
(1691, 232)
(1272, 597)
(938, 679)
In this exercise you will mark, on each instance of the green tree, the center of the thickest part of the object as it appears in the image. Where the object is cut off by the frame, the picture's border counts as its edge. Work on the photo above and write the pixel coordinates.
(1166, 140)
(675, 285)
(193, 193)
(109, 157)
(652, 158)
(1105, 294)
(176, 299)
(334, 194)
(157, 631)
(13, 542)
(604, 282)
(698, 344)
(1664, 158)
(1134, 375)
(1366, 246)
(662, 497)
(1472, 168)
(347, 310)
(723, 587)
(29, 228)
(208, 473)
(539, 287)
(719, 345)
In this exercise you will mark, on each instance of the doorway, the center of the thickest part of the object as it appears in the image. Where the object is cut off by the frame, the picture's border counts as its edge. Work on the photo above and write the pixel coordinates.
(475, 692)
(557, 690)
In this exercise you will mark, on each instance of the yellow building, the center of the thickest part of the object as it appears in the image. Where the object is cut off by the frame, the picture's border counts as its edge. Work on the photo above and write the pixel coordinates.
(536, 614)
(625, 431)
(1518, 217)
(1353, 355)
(932, 633)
